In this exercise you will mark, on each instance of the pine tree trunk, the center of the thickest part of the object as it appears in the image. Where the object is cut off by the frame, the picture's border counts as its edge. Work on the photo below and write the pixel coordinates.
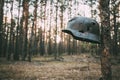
(115, 5)
(25, 28)
(1, 24)
(56, 45)
(105, 46)
(10, 48)
(41, 38)
(32, 44)
(69, 36)
(61, 25)
(50, 41)
(17, 53)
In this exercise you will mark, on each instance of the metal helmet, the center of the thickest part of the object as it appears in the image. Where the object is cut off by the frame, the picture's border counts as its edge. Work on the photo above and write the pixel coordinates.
(84, 29)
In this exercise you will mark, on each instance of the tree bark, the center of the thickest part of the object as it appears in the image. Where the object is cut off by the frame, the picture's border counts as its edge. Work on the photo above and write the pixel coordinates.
(1, 24)
(56, 32)
(16, 55)
(115, 4)
(25, 28)
(11, 42)
(105, 35)
(50, 41)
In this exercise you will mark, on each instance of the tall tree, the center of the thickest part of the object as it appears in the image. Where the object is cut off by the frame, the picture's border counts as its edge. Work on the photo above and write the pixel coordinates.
(56, 33)
(44, 27)
(33, 41)
(1, 24)
(11, 37)
(115, 13)
(62, 9)
(25, 28)
(41, 38)
(16, 55)
(7, 28)
(50, 31)
(69, 16)
(105, 45)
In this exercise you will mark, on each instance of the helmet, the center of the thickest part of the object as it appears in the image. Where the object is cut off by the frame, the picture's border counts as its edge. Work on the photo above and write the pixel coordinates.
(84, 29)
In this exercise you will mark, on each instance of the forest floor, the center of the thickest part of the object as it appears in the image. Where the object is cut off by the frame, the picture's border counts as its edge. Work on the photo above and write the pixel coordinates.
(73, 67)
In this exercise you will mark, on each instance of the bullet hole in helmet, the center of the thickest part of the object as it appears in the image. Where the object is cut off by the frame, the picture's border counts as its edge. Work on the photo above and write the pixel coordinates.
(93, 23)
(81, 31)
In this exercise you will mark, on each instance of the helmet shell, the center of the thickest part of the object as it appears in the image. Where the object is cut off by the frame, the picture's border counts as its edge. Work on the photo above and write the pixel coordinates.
(84, 29)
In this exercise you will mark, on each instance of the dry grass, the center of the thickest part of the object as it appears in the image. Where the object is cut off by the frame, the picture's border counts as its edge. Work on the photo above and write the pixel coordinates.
(76, 67)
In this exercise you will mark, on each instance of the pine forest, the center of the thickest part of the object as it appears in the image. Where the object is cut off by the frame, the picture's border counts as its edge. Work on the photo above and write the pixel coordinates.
(33, 46)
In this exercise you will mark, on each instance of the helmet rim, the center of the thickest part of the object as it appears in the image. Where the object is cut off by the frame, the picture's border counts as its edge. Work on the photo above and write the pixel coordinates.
(86, 36)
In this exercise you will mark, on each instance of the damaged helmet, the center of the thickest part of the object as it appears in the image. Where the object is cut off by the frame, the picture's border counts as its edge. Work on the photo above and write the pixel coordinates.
(84, 29)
